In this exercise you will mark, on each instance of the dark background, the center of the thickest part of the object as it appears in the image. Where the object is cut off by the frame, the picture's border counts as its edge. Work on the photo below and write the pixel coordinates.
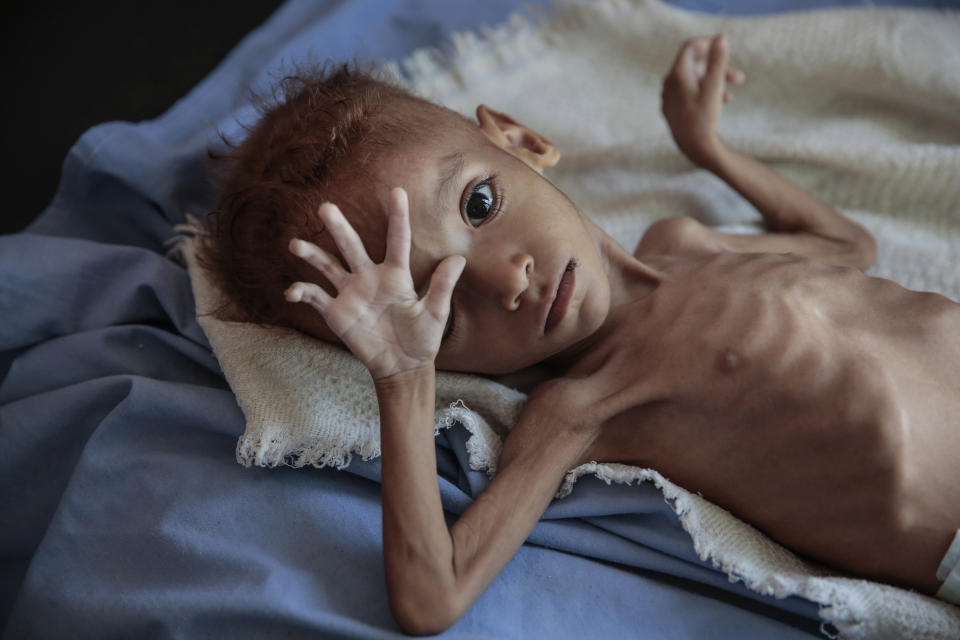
(69, 66)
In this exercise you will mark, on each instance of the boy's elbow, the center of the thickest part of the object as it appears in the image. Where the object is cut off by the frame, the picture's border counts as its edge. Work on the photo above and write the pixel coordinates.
(864, 250)
(423, 624)
(855, 246)
(425, 614)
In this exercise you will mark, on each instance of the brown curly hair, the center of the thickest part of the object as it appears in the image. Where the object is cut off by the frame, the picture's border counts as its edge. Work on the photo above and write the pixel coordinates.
(313, 143)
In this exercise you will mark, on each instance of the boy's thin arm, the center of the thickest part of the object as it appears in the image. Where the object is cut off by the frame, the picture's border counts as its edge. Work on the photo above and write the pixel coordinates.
(417, 547)
(434, 574)
(788, 208)
(693, 94)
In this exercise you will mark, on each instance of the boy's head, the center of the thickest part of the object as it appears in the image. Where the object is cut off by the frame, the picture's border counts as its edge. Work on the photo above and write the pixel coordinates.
(314, 143)
(475, 189)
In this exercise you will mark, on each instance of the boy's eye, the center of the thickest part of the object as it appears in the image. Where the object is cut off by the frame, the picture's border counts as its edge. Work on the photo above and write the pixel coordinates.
(479, 204)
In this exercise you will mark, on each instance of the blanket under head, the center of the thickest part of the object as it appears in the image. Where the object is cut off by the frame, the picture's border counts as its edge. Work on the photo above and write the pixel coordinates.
(860, 107)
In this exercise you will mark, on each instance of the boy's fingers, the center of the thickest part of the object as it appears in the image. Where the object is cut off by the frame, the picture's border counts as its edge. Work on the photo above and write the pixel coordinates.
(348, 242)
(309, 293)
(442, 282)
(690, 65)
(697, 48)
(683, 69)
(714, 83)
(700, 68)
(398, 229)
(319, 259)
(735, 76)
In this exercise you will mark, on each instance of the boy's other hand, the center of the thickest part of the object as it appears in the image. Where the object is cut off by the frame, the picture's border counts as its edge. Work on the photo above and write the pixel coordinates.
(376, 311)
(694, 92)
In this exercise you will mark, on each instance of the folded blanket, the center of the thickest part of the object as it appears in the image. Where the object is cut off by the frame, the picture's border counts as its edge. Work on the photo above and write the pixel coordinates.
(860, 107)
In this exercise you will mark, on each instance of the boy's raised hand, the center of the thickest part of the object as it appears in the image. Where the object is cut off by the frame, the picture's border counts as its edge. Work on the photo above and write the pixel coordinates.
(376, 312)
(693, 93)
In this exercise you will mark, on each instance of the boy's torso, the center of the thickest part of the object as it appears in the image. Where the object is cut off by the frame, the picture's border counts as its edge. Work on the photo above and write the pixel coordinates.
(816, 403)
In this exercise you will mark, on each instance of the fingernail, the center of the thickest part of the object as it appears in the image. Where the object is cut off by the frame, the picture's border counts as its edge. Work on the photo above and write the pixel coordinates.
(721, 40)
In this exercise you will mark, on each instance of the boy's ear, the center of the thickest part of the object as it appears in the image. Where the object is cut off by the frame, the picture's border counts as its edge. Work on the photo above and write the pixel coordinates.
(514, 138)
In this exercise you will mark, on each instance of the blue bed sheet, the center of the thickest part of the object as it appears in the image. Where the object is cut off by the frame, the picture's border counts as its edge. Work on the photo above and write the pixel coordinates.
(122, 510)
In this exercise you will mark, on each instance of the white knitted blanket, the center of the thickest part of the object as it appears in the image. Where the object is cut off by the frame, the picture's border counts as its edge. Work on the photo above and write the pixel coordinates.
(861, 107)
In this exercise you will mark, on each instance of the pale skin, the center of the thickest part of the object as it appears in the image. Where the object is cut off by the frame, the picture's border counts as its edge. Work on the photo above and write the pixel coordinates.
(767, 371)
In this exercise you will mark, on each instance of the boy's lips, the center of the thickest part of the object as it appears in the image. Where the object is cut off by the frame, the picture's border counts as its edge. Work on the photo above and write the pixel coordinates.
(561, 299)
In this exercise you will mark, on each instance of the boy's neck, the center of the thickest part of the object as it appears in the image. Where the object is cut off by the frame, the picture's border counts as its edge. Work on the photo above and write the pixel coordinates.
(630, 280)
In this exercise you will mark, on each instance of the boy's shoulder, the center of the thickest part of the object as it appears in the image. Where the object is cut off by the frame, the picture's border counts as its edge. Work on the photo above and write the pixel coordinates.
(676, 235)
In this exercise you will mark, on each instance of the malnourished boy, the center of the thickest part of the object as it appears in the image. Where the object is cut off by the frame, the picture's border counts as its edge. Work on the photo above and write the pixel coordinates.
(767, 372)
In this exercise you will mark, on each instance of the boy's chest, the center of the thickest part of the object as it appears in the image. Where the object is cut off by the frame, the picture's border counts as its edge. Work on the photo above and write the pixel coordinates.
(797, 396)
(709, 360)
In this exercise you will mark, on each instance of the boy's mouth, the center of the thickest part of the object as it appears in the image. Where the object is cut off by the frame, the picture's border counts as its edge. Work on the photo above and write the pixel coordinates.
(561, 300)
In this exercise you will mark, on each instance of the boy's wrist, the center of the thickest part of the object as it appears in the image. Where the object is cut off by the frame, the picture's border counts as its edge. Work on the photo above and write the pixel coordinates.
(404, 380)
(406, 403)
(710, 154)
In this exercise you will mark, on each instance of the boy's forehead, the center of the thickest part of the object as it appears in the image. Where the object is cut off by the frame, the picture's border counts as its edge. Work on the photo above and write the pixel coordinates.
(432, 171)
(442, 144)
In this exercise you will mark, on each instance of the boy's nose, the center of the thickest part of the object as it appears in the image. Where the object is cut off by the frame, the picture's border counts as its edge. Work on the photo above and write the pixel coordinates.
(514, 280)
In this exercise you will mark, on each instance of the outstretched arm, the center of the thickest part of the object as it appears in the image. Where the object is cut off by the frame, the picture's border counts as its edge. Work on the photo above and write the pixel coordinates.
(434, 574)
(693, 94)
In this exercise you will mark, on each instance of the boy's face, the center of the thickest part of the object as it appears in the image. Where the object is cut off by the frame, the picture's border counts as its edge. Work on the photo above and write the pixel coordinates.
(471, 195)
